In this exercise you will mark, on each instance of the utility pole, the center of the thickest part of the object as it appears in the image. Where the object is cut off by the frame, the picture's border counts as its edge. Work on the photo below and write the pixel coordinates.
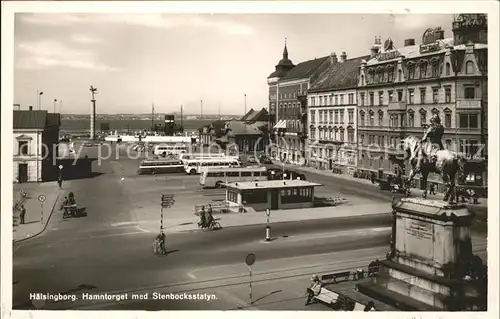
(93, 90)
(244, 123)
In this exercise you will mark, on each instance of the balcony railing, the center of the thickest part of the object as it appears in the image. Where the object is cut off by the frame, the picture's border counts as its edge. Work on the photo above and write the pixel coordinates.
(397, 106)
(469, 104)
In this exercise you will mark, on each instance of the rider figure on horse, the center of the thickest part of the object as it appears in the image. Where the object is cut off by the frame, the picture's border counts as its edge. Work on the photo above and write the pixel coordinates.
(432, 135)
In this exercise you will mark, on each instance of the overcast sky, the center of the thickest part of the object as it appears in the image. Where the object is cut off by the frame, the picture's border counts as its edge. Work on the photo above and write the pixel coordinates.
(170, 59)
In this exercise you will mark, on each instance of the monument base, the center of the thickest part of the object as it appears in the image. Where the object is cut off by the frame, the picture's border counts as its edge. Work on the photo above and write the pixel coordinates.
(431, 266)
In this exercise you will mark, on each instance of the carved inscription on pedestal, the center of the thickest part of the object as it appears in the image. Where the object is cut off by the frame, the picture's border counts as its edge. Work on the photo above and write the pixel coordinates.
(419, 238)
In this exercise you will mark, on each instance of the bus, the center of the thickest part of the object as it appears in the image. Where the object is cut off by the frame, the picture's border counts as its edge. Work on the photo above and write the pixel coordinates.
(189, 156)
(216, 177)
(196, 166)
(164, 150)
(160, 166)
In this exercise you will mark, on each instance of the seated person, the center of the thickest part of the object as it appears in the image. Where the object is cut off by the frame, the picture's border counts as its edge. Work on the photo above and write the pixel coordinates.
(314, 290)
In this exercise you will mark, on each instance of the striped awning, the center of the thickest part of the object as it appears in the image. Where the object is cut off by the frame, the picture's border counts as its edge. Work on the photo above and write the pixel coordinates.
(280, 124)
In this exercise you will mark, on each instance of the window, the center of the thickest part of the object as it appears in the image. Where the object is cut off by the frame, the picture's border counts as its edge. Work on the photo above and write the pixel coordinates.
(423, 117)
(380, 118)
(448, 68)
(435, 69)
(411, 71)
(422, 96)
(469, 67)
(391, 96)
(341, 131)
(298, 195)
(381, 98)
(447, 120)
(351, 98)
(331, 99)
(362, 99)
(320, 117)
(313, 101)
(351, 116)
(390, 74)
(342, 99)
(331, 117)
(362, 79)
(22, 147)
(254, 197)
(246, 174)
(362, 139)
(336, 117)
(423, 70)
(341, 116)
(371, 99)
(469, 147)
(447, 95)
(402, 120)
(411, 98)
(400, 96)
(336, 100)
(469, 92)
(362, 118)
(320, 100)
(468, 120)
(400, 76)
(350, 136)
(435, 95)
(372, 119)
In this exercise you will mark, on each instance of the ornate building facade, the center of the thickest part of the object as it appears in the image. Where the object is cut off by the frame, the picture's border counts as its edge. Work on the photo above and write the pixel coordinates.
(288, 86)
(332, 120)
(400, 89)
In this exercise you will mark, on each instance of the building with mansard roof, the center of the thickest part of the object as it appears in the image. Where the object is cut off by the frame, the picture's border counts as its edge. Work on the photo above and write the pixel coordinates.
(332, 125)
(400, 89)
(288, 86)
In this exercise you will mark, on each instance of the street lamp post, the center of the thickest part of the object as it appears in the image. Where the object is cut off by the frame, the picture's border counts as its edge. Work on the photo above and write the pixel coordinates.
(246, 142)
(60, 107)
(55, 101)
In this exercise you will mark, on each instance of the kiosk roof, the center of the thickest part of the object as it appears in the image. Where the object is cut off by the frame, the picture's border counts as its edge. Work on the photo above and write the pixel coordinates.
(277, 184)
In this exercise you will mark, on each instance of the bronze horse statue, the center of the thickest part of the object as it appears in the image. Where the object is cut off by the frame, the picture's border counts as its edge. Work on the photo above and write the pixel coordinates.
(443, 162)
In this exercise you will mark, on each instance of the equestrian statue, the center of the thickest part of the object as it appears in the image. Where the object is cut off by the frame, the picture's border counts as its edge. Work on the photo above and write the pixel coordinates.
(427, 155)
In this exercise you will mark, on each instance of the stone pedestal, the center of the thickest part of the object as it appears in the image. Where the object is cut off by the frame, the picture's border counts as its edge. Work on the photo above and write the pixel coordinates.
(429, 266)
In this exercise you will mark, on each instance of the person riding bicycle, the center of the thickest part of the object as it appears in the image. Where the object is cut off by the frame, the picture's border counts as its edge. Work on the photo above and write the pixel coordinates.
(210, 218)
(203, 219)
(160, 239)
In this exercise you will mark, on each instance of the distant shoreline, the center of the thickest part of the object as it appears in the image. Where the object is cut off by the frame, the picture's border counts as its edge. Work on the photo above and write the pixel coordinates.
(125, 124)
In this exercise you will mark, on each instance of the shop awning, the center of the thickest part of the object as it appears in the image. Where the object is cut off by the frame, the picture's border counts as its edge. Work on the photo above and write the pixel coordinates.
(280, 124)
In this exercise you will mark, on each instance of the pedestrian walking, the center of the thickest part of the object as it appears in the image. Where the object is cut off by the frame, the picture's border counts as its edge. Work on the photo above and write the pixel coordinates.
(22, 214)
(59, 181)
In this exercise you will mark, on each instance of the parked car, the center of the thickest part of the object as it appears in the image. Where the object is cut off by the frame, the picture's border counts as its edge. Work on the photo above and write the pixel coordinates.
(265, 160)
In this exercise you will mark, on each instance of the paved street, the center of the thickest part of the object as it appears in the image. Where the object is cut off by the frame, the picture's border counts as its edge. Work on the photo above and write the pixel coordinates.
(109, 251)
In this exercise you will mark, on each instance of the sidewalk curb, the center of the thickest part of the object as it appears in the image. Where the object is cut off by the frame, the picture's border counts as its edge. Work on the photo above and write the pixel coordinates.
(46, 223)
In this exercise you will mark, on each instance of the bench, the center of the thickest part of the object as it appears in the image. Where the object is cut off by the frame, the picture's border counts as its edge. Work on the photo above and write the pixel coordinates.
(336, 277)
(326, 296)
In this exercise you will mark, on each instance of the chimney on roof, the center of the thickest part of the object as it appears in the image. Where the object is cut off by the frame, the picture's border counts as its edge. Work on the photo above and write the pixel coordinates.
(409, 42)
(439, 34)
(30, 108)
(343, 56)
(333, 57)
(377, 45)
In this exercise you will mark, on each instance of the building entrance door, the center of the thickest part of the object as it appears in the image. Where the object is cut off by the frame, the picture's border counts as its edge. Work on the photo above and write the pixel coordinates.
(23, 173)
(330, 164)
(274, 199)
